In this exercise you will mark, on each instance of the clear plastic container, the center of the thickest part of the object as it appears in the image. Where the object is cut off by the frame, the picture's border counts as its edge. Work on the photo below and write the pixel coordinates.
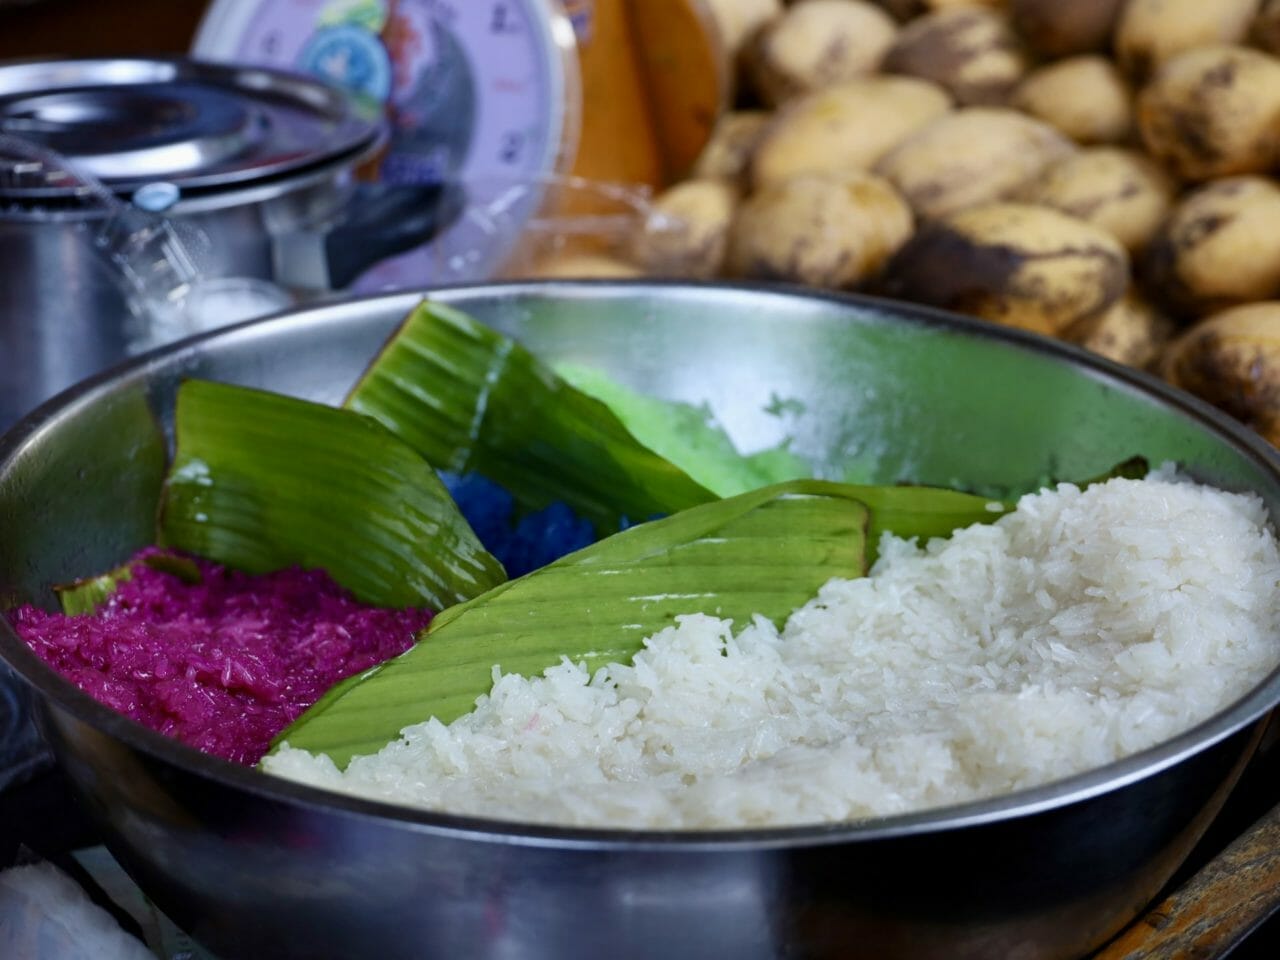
(556, 226)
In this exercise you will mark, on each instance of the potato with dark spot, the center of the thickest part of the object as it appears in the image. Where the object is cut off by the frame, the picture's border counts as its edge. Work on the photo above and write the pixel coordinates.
(828, 230)
(848, 126)
(815, 44)
(1265, 29)
(1220, 247)
(1150, 32)
(972, 156)
(1232, 360)
(1121, 191)
(1062, 28)
(687, 232)
(1085, 97)
(1015, 264)
(733, 140)
(972, 52)
(1132, 332)
(1213, 112)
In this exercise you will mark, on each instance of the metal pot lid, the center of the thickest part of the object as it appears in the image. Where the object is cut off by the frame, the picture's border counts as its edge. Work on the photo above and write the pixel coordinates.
(196, 125)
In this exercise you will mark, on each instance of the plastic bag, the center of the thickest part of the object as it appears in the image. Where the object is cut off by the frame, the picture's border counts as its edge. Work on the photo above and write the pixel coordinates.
(44, 915)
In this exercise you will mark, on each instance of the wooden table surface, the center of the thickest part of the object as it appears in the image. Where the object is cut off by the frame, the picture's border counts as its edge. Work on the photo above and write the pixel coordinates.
(1223, 902)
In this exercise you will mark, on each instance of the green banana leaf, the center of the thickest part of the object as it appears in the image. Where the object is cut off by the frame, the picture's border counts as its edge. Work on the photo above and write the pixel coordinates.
(765, 552)
(472, 400)
(87, 596)
(922, 512)
(262, 481)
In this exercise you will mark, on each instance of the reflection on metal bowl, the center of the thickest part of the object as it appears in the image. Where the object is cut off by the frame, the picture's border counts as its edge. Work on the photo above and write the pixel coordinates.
(257, 867)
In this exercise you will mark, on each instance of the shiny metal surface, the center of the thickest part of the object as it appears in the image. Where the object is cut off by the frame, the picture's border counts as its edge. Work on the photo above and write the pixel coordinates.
(257, 173)
(131, 122)
(257, 867)
(67, 311)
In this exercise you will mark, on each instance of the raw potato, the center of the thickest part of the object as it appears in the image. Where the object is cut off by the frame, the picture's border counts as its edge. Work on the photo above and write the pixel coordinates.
(1219, 248)
(815, 44)
(688, 230)
(1121, 191)
(583, 266)
(1132, 332)
(1213, 112)
(739, 19)
(1061, 28)
(827, 230)
(1150, 32)
(1015, 264)
(733, 140)
(845, 127)
(970, 157)
(1232, 360)
(971, 52)
(1085, 97)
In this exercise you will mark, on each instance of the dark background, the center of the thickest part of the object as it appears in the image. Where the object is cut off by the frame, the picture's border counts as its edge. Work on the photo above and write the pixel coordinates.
(30, 28)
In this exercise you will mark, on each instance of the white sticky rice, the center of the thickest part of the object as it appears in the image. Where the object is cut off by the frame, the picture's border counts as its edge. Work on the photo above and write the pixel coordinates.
(1084, 626)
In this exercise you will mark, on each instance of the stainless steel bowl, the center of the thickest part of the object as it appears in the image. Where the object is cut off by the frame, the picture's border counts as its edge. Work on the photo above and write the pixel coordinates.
(257, 867)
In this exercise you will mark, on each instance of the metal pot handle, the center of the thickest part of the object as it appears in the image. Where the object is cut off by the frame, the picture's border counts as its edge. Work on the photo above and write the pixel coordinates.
(381, 220)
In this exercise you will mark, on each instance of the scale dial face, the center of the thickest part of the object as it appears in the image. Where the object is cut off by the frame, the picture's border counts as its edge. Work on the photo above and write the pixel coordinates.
(478, 91)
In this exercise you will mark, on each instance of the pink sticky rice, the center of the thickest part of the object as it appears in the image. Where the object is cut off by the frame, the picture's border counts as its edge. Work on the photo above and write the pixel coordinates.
(223, 665)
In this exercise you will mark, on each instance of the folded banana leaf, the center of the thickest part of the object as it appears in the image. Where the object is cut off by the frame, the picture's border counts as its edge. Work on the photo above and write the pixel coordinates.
(907, 511)
(262, 481)
(922, 512)
(471, 400)
(765, 552)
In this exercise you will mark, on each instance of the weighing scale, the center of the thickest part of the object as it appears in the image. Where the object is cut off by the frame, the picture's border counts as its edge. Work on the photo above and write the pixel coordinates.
(488, 93)
(484, 92)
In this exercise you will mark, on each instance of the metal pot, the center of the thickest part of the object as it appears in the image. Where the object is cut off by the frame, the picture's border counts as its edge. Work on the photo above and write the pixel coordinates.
(255, 867)
(128, 182)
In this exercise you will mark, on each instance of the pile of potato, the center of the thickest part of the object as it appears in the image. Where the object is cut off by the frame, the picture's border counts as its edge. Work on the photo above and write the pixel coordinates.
(1102, 171)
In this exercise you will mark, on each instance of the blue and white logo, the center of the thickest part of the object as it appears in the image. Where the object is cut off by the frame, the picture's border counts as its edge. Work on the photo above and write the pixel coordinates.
(350, 57)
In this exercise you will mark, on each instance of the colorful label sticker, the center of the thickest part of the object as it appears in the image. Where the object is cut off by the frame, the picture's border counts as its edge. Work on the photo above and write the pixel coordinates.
(351, 58)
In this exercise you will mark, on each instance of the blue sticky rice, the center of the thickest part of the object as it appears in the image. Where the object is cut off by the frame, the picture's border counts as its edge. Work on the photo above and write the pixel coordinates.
(524, 543)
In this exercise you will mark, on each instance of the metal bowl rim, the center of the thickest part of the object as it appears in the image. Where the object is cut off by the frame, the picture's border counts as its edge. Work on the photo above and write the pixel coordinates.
(54, 692)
